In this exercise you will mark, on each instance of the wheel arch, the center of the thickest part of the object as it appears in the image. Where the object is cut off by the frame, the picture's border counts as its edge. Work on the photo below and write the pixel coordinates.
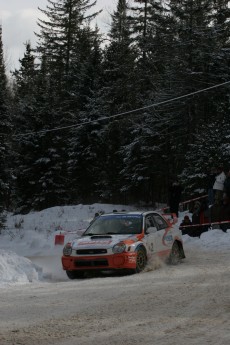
(141, 258)
(140, 246)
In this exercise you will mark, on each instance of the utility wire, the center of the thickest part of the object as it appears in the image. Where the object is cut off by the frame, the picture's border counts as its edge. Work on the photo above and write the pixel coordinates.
(124, 113)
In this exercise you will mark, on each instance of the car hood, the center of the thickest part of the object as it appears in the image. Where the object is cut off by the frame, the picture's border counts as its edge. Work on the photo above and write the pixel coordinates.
(102, 241)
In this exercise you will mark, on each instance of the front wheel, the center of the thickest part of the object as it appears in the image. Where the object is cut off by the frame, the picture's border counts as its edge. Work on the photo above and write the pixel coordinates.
(141, 260)
(75, 274)
(175, 255)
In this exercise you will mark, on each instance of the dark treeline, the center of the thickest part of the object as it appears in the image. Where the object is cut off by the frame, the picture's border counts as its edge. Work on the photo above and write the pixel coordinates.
(76, 81)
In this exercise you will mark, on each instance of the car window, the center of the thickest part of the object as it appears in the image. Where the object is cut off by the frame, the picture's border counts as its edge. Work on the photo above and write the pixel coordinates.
(149, 222)
(160, 222)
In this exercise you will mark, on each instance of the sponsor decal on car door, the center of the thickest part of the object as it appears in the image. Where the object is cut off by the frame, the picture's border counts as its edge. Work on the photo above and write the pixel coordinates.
(164, 236)
(151, 234)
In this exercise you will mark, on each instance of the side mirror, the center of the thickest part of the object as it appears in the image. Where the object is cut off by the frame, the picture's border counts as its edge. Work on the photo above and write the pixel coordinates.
(151, 230)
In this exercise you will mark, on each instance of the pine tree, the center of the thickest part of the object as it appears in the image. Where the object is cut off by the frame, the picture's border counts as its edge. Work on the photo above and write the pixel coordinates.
(220, 58)
(38, 154)
(119, 63)
(150, 27)
(25, 121)
(49, 96)
(4, 141)
(84, 143)
(63, 39)
(210, 148)
(201, 59)
(117, 96)
(198, 47)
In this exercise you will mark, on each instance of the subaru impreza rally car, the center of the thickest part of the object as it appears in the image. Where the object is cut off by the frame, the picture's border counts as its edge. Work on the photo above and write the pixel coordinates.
(119, 241)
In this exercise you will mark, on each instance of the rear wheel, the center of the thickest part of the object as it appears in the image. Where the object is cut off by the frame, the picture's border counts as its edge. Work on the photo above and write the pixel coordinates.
(175, 255)
(141, 260)
(75, 274)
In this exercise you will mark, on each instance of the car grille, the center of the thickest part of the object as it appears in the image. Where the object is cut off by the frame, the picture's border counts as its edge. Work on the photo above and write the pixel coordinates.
(90, 251)
(91, 263)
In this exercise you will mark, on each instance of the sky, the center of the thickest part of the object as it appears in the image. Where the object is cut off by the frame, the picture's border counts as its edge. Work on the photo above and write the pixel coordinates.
(29, 255)
(19, 22)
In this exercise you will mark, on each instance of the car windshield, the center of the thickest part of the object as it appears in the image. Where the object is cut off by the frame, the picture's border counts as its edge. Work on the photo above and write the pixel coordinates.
(115, 224)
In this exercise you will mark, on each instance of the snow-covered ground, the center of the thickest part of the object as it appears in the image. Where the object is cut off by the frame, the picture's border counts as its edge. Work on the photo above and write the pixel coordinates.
(27, 246)
(187, 303)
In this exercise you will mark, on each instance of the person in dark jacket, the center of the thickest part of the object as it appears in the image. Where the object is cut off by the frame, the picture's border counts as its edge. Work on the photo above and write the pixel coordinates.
(211, 177)
(175, 191)
(196, 213)
(184, 225)
(197, 219)
(227, 185)
(225, 213)
(215, 213)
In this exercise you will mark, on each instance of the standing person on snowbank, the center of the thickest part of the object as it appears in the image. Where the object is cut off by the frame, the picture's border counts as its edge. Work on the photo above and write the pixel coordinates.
(175, 191)
(225, 213)
(227, 185)
(211, 178)
(218, 186)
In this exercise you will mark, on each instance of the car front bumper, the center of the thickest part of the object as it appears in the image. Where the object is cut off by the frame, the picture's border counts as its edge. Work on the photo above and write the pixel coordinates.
(105, 262)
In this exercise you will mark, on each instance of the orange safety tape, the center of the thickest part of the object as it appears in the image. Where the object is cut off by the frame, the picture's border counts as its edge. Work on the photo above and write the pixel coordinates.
(184, 202)
(187, 201)
(195, 225)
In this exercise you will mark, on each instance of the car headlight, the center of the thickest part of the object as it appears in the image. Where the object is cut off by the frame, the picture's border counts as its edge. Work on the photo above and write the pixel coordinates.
(119, 248)
(67, 250)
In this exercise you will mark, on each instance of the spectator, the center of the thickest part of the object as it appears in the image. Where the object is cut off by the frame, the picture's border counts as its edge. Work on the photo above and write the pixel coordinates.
(215, 215)
(225, 213)
(199, 217)
(196, 230)
(175, 191)
(218, 186)
(211, 177)
(196, 213)
(185, 222)
(227, 185)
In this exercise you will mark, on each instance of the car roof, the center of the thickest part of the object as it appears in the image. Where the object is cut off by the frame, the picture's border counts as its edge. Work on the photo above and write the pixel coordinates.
(130, 213)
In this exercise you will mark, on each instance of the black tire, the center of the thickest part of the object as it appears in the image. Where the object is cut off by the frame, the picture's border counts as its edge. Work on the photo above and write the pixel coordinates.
(141, 260)
(75, 274)
(175, 255)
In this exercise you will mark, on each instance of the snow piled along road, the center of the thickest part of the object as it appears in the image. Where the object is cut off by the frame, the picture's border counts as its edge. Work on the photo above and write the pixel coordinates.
(165, 305)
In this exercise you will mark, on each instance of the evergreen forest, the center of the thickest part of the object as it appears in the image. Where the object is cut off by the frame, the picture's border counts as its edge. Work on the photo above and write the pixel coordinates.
(113, 117)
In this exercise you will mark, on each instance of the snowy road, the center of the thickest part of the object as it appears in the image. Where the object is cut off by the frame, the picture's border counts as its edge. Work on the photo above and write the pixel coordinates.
(167, 305)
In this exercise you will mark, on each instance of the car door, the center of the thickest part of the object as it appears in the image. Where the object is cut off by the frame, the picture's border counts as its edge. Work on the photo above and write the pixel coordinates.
(163, 237)
(150, 233)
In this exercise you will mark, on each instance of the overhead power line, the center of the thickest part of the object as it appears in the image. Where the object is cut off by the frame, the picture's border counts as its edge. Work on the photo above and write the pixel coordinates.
(123, 113)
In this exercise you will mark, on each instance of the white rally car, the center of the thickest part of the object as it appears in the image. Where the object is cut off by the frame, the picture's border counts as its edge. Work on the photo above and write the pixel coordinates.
(119, 241)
